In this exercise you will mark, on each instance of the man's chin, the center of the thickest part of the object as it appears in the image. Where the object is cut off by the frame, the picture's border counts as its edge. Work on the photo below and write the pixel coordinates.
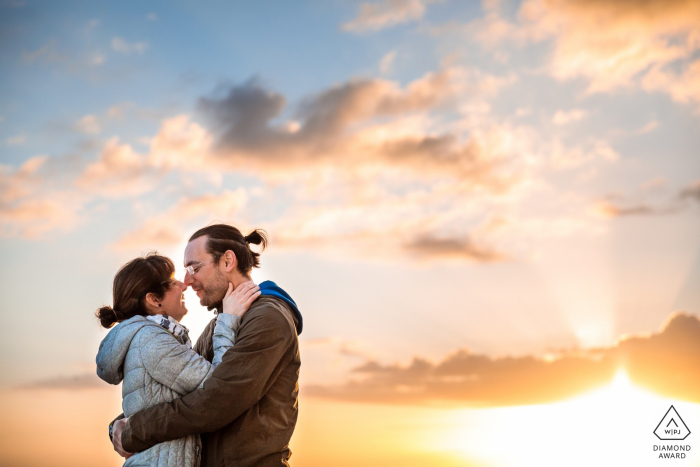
(218, 307)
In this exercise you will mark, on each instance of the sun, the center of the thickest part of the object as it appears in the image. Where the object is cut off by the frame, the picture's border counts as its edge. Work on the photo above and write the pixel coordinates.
(612, 425)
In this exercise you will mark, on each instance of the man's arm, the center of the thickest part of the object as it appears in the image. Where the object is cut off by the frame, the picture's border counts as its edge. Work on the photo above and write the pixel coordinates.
(247, 371)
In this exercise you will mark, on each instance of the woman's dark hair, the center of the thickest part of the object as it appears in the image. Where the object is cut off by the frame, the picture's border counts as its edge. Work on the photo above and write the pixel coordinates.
(223, 237)
(138, 277)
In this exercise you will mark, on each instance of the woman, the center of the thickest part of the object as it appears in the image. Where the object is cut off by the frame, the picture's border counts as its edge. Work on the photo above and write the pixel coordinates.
(151, 351)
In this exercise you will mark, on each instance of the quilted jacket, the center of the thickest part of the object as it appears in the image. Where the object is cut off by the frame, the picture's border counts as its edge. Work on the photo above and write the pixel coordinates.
(154, 367)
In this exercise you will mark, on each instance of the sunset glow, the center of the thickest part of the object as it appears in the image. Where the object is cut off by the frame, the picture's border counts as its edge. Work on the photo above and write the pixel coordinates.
(487, 212)
(612, 425)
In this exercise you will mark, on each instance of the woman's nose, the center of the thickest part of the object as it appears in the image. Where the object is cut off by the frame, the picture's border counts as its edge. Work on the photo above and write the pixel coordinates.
(182, 285)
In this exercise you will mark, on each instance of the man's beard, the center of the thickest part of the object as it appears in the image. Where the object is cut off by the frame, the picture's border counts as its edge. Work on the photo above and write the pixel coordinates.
(217, 307)
(218, 290)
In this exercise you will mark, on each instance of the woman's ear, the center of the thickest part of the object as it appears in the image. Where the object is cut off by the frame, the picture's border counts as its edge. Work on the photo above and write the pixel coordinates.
(152, 303)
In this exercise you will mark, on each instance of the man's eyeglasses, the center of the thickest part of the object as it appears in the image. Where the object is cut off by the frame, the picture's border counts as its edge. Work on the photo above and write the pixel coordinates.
(193, 268)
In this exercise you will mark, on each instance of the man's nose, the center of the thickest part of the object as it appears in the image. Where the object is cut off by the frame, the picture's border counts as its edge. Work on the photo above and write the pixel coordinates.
(188, 280)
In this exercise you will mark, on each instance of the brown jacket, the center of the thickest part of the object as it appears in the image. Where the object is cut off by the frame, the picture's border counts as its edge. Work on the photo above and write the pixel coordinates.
(247, 409)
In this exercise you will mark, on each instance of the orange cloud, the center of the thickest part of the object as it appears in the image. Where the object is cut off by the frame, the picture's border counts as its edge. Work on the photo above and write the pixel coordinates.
(664, 362)
(119, 171)
(169, 227)
(29, 209)
(181, 143)
(631, 39)
(612, 44)
(347, 125)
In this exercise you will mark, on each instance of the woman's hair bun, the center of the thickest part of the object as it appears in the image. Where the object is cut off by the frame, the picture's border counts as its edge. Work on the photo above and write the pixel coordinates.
(107, 316)
(257, 237)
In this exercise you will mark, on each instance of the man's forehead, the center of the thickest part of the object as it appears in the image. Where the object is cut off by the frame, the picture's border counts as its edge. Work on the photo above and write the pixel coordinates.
(195, 251)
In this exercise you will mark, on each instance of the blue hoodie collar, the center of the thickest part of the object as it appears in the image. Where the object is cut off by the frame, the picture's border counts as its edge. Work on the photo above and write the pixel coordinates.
(270, 288)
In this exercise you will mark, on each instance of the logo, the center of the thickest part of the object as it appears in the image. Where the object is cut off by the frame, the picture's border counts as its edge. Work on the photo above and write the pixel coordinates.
(671, 427)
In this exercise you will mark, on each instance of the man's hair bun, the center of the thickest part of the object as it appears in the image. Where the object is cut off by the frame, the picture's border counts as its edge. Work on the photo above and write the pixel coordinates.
(257, 237)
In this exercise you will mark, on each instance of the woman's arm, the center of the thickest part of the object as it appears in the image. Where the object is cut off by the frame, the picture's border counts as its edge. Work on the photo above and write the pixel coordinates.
(181, 369)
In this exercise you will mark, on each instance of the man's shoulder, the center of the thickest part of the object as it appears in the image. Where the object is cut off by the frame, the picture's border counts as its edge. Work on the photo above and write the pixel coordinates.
(272, 310)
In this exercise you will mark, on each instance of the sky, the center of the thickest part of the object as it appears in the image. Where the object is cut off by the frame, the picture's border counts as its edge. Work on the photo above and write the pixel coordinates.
(486, 211)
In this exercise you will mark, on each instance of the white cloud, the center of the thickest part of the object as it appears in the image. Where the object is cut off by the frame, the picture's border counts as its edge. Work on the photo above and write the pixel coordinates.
(121, 45)
(563, 117)
(16, 140)
(387, 62)
(118, 172)
(386, 13)
(648, 127)
(169, 228)
(88, 124)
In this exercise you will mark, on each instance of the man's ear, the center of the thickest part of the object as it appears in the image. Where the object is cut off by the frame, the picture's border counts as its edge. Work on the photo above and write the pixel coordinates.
(230, 262)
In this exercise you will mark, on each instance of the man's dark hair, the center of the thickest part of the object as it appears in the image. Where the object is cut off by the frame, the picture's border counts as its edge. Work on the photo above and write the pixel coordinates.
(223, 237)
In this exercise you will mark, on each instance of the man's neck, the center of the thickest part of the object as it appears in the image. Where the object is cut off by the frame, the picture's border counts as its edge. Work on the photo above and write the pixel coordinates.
(237, 279)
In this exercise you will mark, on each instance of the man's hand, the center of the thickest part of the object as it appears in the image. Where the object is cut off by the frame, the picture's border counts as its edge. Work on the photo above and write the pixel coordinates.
(117, 438)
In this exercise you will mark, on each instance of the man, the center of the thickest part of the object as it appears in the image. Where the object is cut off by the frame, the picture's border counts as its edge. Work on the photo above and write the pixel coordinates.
(247, 410)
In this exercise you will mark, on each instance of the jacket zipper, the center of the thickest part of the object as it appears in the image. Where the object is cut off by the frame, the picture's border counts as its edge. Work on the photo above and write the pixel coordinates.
(197, 457)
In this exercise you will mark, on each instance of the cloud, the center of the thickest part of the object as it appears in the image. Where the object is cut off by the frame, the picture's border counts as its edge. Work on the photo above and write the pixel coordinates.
(387, 62)
(88, 125)
(692, 191)
(169, 227)
(181, 143)
(49, 54)
(664, 362)
(419, 171)
(386, 13)
(81, 381)
(608, 210)
(122, 46)
(431, 222)
(28, 207)
(446, 247)
(650, 45)
(343, 124)
(16, 140)
(563, 117)
(119, 171)
(616, 206)
(46, 53)
(568, 157)
(631, 40)
(648, 127)
(683, 87)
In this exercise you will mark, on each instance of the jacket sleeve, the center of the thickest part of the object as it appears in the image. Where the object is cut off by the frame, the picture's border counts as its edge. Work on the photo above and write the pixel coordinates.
(177, 367)
(244, 376)
(224, 338)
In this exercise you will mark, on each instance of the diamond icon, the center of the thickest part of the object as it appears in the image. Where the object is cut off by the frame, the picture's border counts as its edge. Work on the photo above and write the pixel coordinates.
(672, 426)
